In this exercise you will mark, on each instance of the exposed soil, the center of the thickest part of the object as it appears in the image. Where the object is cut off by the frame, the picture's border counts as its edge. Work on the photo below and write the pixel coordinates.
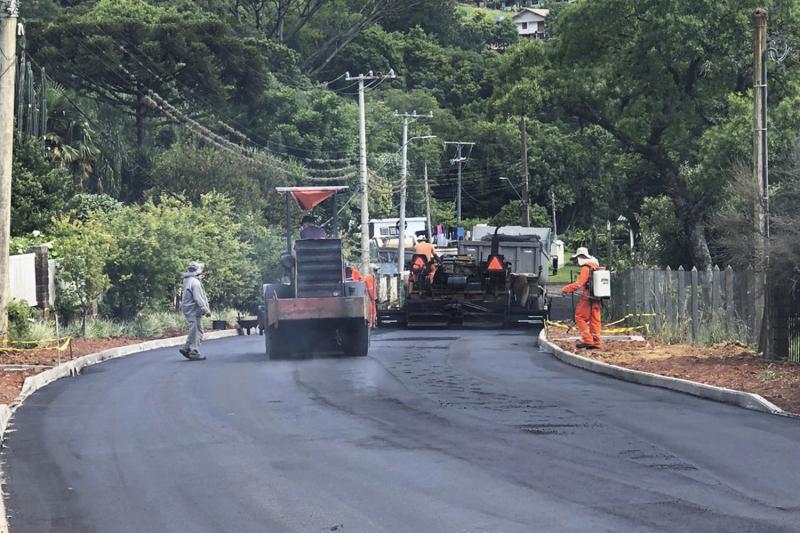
(16, 366)
(729, 365)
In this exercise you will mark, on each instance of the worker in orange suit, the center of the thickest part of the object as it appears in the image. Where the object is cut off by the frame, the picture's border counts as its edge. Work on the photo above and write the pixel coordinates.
(372, 294)
(423, 247)
(587, 312)
(354, 274)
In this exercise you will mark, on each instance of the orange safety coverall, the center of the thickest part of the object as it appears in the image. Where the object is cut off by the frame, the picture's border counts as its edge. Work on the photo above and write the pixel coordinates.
(427, 249)
(587, 312)
(372, 294)
(356, 275)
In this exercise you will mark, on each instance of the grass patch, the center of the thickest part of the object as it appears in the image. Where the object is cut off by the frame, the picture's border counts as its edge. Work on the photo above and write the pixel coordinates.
(768, 374)
(149, 324)
(566, 274)
(469, 10)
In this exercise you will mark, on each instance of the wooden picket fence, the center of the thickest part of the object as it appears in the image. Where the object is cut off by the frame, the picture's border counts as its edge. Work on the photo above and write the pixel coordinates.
(698, 306)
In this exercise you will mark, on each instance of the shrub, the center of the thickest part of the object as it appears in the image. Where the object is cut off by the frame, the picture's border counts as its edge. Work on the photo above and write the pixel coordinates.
(96, 328)
(84, 248)
(19, 319)
(156, 241)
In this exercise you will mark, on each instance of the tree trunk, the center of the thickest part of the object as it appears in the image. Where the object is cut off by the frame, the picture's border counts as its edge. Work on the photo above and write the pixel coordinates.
(141, 110)
(696, 233)
(695, 229)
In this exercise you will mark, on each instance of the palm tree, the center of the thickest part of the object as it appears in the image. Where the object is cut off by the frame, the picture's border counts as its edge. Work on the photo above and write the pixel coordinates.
(70, 138)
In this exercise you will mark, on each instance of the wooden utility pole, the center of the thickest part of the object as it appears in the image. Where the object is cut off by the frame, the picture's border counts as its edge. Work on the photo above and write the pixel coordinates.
(526, 197)
(362, 160)
(8, 59)
(761, 179)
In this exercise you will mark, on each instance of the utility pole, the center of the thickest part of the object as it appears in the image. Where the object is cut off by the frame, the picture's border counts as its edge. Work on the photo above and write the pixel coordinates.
(460, 160)
(401, 237)
(553, 201)
(8, 58)
(526, 197)
(761, 178)
(428, 204)
(362, 144)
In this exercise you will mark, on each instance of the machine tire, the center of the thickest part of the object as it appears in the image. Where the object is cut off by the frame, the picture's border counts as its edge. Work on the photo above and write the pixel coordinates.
(358, 341)
(272, 338)
(275, 344)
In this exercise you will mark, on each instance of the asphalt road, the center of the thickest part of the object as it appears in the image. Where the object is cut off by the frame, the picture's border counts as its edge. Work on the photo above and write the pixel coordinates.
(435, 431)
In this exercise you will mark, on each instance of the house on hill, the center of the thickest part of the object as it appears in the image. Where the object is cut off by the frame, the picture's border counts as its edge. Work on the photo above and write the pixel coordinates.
(530, 22)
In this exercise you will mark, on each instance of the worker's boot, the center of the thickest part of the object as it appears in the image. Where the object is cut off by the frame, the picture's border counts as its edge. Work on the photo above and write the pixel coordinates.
(185, 352)
(584, 346)
(194, 355)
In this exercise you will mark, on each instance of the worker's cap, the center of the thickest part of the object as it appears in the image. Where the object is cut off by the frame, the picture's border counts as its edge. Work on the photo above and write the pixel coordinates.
(422, 238)
(582, 252)
(308, 218)
(373, 266)
(195, 266)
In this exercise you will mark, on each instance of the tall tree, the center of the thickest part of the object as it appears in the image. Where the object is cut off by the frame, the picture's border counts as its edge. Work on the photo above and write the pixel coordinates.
(656, 74)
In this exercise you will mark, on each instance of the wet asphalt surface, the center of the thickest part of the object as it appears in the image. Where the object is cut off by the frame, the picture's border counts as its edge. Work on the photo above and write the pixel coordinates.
(435, 431)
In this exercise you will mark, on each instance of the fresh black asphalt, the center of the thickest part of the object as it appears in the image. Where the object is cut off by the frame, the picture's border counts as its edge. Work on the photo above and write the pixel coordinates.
(436, 431)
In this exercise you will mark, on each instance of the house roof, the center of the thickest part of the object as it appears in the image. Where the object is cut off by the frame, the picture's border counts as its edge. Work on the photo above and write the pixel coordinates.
(541, 12)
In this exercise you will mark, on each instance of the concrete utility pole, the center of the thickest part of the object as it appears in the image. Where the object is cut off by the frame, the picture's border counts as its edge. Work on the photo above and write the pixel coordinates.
(401, 237)
(460, 160)
(8, 58)
(526, 197)
(428, 205)
(761, 178)
(553, 201)
(362, 143)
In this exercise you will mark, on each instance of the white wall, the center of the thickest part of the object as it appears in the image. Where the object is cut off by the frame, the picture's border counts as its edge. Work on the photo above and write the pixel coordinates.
(22, 274)
(535, 23)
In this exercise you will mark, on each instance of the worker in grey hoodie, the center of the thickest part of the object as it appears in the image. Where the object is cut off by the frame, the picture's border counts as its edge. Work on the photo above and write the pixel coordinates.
(194, 305)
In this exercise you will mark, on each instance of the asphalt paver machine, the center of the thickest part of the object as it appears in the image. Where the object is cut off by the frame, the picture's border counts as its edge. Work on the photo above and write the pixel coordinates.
(314, 310)
(497, 281)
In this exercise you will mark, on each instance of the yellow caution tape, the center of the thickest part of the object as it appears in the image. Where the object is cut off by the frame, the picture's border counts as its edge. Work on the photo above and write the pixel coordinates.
(630, 315)
(62, 346)
(607, 329)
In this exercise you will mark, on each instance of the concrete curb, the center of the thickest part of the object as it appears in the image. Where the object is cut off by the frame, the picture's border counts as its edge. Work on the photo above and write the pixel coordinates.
(747, 400)
(73, 368)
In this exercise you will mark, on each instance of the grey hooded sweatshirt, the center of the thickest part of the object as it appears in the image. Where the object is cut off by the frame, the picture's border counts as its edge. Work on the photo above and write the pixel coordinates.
(194, 301)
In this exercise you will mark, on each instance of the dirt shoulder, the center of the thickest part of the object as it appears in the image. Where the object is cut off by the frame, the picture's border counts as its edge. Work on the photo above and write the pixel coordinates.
(729, 365)
(16, 366)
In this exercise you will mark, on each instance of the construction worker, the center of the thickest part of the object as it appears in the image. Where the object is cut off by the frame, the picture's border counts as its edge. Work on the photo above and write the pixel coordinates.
(587, 312)
(370, 282)
(423, 247)
(353, 273)
(194, 305)
(310, 230)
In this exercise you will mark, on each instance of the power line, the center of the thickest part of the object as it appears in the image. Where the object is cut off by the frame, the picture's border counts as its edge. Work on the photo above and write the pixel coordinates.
(136, 49)
(197, 129)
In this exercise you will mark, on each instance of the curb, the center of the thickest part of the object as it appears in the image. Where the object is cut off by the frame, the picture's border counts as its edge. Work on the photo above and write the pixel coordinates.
(73, 368)
(746, 400)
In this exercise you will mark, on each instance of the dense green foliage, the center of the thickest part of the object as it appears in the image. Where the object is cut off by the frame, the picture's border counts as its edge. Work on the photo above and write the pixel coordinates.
(637, 110)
